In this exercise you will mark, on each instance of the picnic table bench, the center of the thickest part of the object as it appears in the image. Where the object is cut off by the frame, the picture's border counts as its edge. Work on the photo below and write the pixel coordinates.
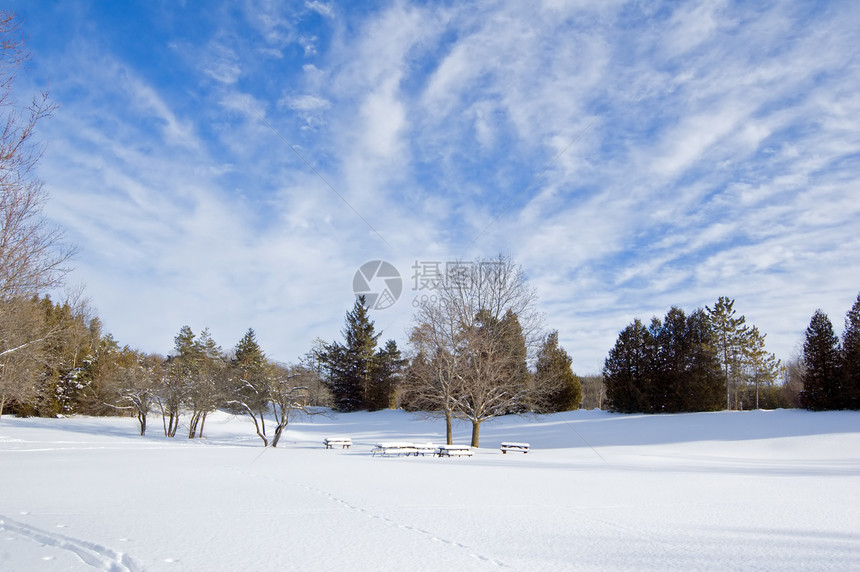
(426, 449)
(454, 451)
(342, 442)
(394, 448)
(519, 447)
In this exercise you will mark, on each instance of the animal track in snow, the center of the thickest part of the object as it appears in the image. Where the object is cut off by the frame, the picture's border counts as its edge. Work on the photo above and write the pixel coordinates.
(98, 556)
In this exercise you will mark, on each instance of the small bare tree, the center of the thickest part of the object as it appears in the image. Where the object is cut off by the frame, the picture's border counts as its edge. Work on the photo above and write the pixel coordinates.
(137, 383)
(170, 393)
(288, 394)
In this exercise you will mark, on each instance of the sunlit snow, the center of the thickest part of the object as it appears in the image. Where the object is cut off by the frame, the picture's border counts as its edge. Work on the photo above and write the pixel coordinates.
(762, 490)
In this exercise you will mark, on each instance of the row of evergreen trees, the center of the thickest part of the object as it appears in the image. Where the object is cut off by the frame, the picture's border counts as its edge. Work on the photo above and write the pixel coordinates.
(712, 360)
(704, 361)
(831, 376)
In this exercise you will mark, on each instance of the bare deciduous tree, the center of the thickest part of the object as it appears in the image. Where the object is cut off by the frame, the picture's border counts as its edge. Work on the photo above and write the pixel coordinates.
(137, 383)
(288, 394)
(469, 336)
(32, 255)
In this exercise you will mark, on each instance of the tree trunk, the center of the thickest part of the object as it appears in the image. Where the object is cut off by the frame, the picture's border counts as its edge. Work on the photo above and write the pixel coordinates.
(279, 429)
(192, 425)
(476, 431)
(173, 424)
(202, 423)
(141, 418)
(449, 432)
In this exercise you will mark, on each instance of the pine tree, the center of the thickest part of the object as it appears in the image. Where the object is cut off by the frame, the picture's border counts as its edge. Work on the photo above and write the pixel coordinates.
(352, 366)
(851, 358)
(558, 388)
(729, 336)
(762, 367)
(821, 379)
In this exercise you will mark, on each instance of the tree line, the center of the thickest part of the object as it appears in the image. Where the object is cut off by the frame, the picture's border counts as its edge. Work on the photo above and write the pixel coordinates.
(711, 359)
(831, 372)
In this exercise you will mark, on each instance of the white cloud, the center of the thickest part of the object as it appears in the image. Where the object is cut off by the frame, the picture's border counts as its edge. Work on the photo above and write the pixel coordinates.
(721, 163)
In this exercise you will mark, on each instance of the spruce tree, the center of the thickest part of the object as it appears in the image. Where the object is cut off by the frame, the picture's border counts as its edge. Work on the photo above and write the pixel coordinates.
(352, 367)
(702, 390)
(387, 373)
(627, 371)
(559, 389)
(851, 358)
(250, 382)
(821, 380)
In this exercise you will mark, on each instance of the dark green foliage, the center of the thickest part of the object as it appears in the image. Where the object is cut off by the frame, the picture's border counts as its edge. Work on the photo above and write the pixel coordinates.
(627, 372)
(851, 358)
(249, 371)
(557, 387)
(388, 368)
(821, 379)
(353, 375)
(669, 367)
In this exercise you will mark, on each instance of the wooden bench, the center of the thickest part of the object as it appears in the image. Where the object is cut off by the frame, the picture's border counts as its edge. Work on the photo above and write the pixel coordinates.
(519, 447)
(454, 451)
(342, 442)
(395, 448)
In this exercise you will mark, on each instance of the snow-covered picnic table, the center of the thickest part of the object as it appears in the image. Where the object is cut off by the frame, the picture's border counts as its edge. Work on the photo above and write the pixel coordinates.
(394, 448)
(342, 442)
(454, 451)
(519, 447)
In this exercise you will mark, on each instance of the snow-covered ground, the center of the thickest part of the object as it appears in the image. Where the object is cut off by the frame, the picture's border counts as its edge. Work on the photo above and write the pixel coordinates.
(762, 490)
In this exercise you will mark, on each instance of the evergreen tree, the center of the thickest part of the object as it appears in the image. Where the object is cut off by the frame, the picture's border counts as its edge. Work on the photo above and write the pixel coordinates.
(389, 365)
(702, 387)
(627, 371)
(851, 358)
(729, 338)
(558, 388)
(352, 367)
(669, 367)
(250, 382)
(762, 368)
(821, 378)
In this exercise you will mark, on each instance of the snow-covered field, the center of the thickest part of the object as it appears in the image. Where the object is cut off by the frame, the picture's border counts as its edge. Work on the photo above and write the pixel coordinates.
(762, 490)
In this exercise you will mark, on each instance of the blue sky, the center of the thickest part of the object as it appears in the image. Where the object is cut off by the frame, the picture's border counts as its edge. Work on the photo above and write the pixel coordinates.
(630, 156)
